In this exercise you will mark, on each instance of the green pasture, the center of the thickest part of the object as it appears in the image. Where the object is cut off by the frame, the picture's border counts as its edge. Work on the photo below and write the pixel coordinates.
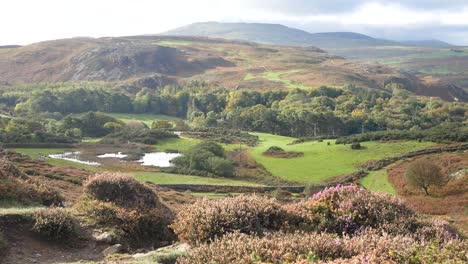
(321, 161)
(377, 181)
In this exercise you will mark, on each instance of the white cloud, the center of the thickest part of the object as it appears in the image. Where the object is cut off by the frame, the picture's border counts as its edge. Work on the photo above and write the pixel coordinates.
(26, 21)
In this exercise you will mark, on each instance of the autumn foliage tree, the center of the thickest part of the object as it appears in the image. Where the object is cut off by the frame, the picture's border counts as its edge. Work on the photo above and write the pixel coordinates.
(423, 173)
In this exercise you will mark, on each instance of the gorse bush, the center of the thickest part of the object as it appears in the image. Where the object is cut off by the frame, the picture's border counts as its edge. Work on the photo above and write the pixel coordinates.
(208, 219)
(302, 248)
(122, 190)
(55, 224)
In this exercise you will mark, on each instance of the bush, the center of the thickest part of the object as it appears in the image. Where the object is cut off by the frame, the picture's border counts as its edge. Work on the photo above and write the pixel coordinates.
(207, 219)
(274, 149)
(422, 173)
(205, 157)
(220, 166)
(122, 190)
(130, 207)
(303, 248)
(348, 209)
(356, 145)
(55, 224)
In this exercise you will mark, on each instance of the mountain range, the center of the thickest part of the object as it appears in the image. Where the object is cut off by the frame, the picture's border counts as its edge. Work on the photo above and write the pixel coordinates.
(281, 35)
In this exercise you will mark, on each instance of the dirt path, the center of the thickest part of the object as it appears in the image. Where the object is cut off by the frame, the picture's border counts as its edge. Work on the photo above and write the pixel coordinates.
(26, 247)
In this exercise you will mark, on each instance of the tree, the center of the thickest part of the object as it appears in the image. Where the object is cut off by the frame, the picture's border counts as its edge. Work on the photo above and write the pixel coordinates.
(423, 173)
(162, 124)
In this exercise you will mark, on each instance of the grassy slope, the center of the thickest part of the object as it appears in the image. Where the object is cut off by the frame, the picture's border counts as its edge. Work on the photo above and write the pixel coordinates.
(377, 181)
(320, 161)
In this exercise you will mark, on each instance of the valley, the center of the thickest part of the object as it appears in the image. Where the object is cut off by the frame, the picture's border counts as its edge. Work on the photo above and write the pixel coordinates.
(233, 143)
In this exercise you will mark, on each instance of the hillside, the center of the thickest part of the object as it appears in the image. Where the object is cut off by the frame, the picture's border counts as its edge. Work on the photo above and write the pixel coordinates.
(160, 60)
(222, 62)
(278, 35)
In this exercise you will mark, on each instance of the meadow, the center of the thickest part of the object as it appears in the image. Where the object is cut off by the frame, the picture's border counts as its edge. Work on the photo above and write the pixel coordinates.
(322, 161)
(377, 181)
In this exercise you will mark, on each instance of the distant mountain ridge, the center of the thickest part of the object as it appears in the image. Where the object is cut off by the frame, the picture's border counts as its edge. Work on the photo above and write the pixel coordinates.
(427, 43)
(277, 34)
(282, 35)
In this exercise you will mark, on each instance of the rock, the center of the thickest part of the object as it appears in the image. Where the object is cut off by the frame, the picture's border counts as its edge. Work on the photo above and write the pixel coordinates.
(103, 238)
(117, 248)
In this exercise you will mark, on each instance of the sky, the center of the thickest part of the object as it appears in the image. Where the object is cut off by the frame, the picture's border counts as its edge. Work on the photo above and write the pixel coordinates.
(28, 21)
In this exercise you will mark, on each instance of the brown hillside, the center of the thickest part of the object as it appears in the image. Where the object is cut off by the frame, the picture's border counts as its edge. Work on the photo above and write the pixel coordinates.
(232, 64)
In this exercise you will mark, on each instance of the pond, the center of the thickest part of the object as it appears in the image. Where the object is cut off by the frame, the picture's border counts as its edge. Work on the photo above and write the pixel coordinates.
(74, 157)
(159, 159)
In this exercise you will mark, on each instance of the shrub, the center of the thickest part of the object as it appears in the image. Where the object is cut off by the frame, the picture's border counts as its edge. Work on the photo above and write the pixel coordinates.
(162, 124)
(122, 190)
(207, 219)
(356, 145)
(348, 209)
(205, 157)
(303, 248)
(220, 166)
(55, 224)
(422, 173)
(274, 149)
(128, 206)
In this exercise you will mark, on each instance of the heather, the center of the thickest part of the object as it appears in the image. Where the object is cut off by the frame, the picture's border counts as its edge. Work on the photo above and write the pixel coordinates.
(131, 209)
(55, 224)
(342, 224)
(17, 186)
(326, 248)
(207, 219)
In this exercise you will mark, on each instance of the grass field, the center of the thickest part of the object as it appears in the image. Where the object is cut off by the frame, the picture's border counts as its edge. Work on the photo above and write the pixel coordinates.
(320, 161)
(165, 178)
(145, 118)
(377, 181)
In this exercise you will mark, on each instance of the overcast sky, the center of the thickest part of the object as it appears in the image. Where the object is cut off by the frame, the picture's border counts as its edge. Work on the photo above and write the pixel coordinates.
(28, 21)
